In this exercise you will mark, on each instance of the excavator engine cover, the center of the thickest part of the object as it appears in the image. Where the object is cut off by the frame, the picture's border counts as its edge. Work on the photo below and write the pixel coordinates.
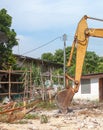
(64, 98)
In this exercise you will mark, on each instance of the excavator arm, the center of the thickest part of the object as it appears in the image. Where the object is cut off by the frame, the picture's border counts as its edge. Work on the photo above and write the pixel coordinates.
(81, 38)
(81, 42)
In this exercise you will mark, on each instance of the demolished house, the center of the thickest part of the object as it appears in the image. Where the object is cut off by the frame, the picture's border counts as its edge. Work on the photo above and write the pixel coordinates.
(18, 83)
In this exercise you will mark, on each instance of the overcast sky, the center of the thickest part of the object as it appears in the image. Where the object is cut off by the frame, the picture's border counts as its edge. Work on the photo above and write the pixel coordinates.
(37, 22)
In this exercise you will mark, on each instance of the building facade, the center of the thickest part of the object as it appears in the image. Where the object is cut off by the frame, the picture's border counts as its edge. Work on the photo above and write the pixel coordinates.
(91, 87)
(45, 66)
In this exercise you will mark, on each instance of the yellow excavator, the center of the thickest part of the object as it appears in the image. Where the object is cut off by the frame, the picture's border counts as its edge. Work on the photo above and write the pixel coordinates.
(64, 97)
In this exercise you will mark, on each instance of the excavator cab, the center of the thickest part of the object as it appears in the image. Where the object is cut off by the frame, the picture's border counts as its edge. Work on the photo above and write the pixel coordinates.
(82, 34)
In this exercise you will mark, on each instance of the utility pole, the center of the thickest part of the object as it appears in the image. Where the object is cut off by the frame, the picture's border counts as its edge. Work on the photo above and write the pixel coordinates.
(64, 39)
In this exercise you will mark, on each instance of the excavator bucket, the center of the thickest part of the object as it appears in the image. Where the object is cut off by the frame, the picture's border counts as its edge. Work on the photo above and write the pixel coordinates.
(64, 98)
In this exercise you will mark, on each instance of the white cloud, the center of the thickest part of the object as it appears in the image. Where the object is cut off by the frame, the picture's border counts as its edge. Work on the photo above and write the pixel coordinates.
(33, 17)
(28, 46)
(37, 15)
(25, 43)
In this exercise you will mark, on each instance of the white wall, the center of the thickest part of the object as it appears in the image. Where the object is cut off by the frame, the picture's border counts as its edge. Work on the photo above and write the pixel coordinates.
(94, 95)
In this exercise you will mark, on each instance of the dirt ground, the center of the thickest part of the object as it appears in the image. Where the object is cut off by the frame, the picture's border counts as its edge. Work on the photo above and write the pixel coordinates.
(82, 115)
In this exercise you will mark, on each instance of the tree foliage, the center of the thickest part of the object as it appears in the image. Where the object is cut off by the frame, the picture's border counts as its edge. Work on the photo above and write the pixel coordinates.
(7, 59)
(92, 62)
(58, 56)
(99, 69)
(47, 56)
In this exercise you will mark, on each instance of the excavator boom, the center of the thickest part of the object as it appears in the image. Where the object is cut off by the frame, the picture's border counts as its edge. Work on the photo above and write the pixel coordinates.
(81, 38)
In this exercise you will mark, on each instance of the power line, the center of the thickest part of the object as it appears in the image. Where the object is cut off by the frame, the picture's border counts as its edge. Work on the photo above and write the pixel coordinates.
(41, 46)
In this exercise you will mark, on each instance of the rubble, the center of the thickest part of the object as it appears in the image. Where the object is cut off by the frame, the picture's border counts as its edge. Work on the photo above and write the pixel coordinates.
(83, 118)
(10, 112)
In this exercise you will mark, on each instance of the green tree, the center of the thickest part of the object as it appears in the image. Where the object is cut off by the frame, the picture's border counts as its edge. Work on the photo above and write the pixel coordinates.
(70, 70)
(99, 68)
(7, 59)
(47, 56)
(90, 63)
(58, 56)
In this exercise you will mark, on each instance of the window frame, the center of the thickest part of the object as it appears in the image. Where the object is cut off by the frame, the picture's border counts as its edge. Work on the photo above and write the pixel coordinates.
(85, 86)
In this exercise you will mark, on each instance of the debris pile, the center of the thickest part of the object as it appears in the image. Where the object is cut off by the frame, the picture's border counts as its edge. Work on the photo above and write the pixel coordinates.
(82, 115)
(11, 111)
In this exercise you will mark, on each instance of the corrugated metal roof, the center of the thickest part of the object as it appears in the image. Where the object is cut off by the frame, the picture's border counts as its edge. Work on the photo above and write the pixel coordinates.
(39, 60)
(95, 75)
